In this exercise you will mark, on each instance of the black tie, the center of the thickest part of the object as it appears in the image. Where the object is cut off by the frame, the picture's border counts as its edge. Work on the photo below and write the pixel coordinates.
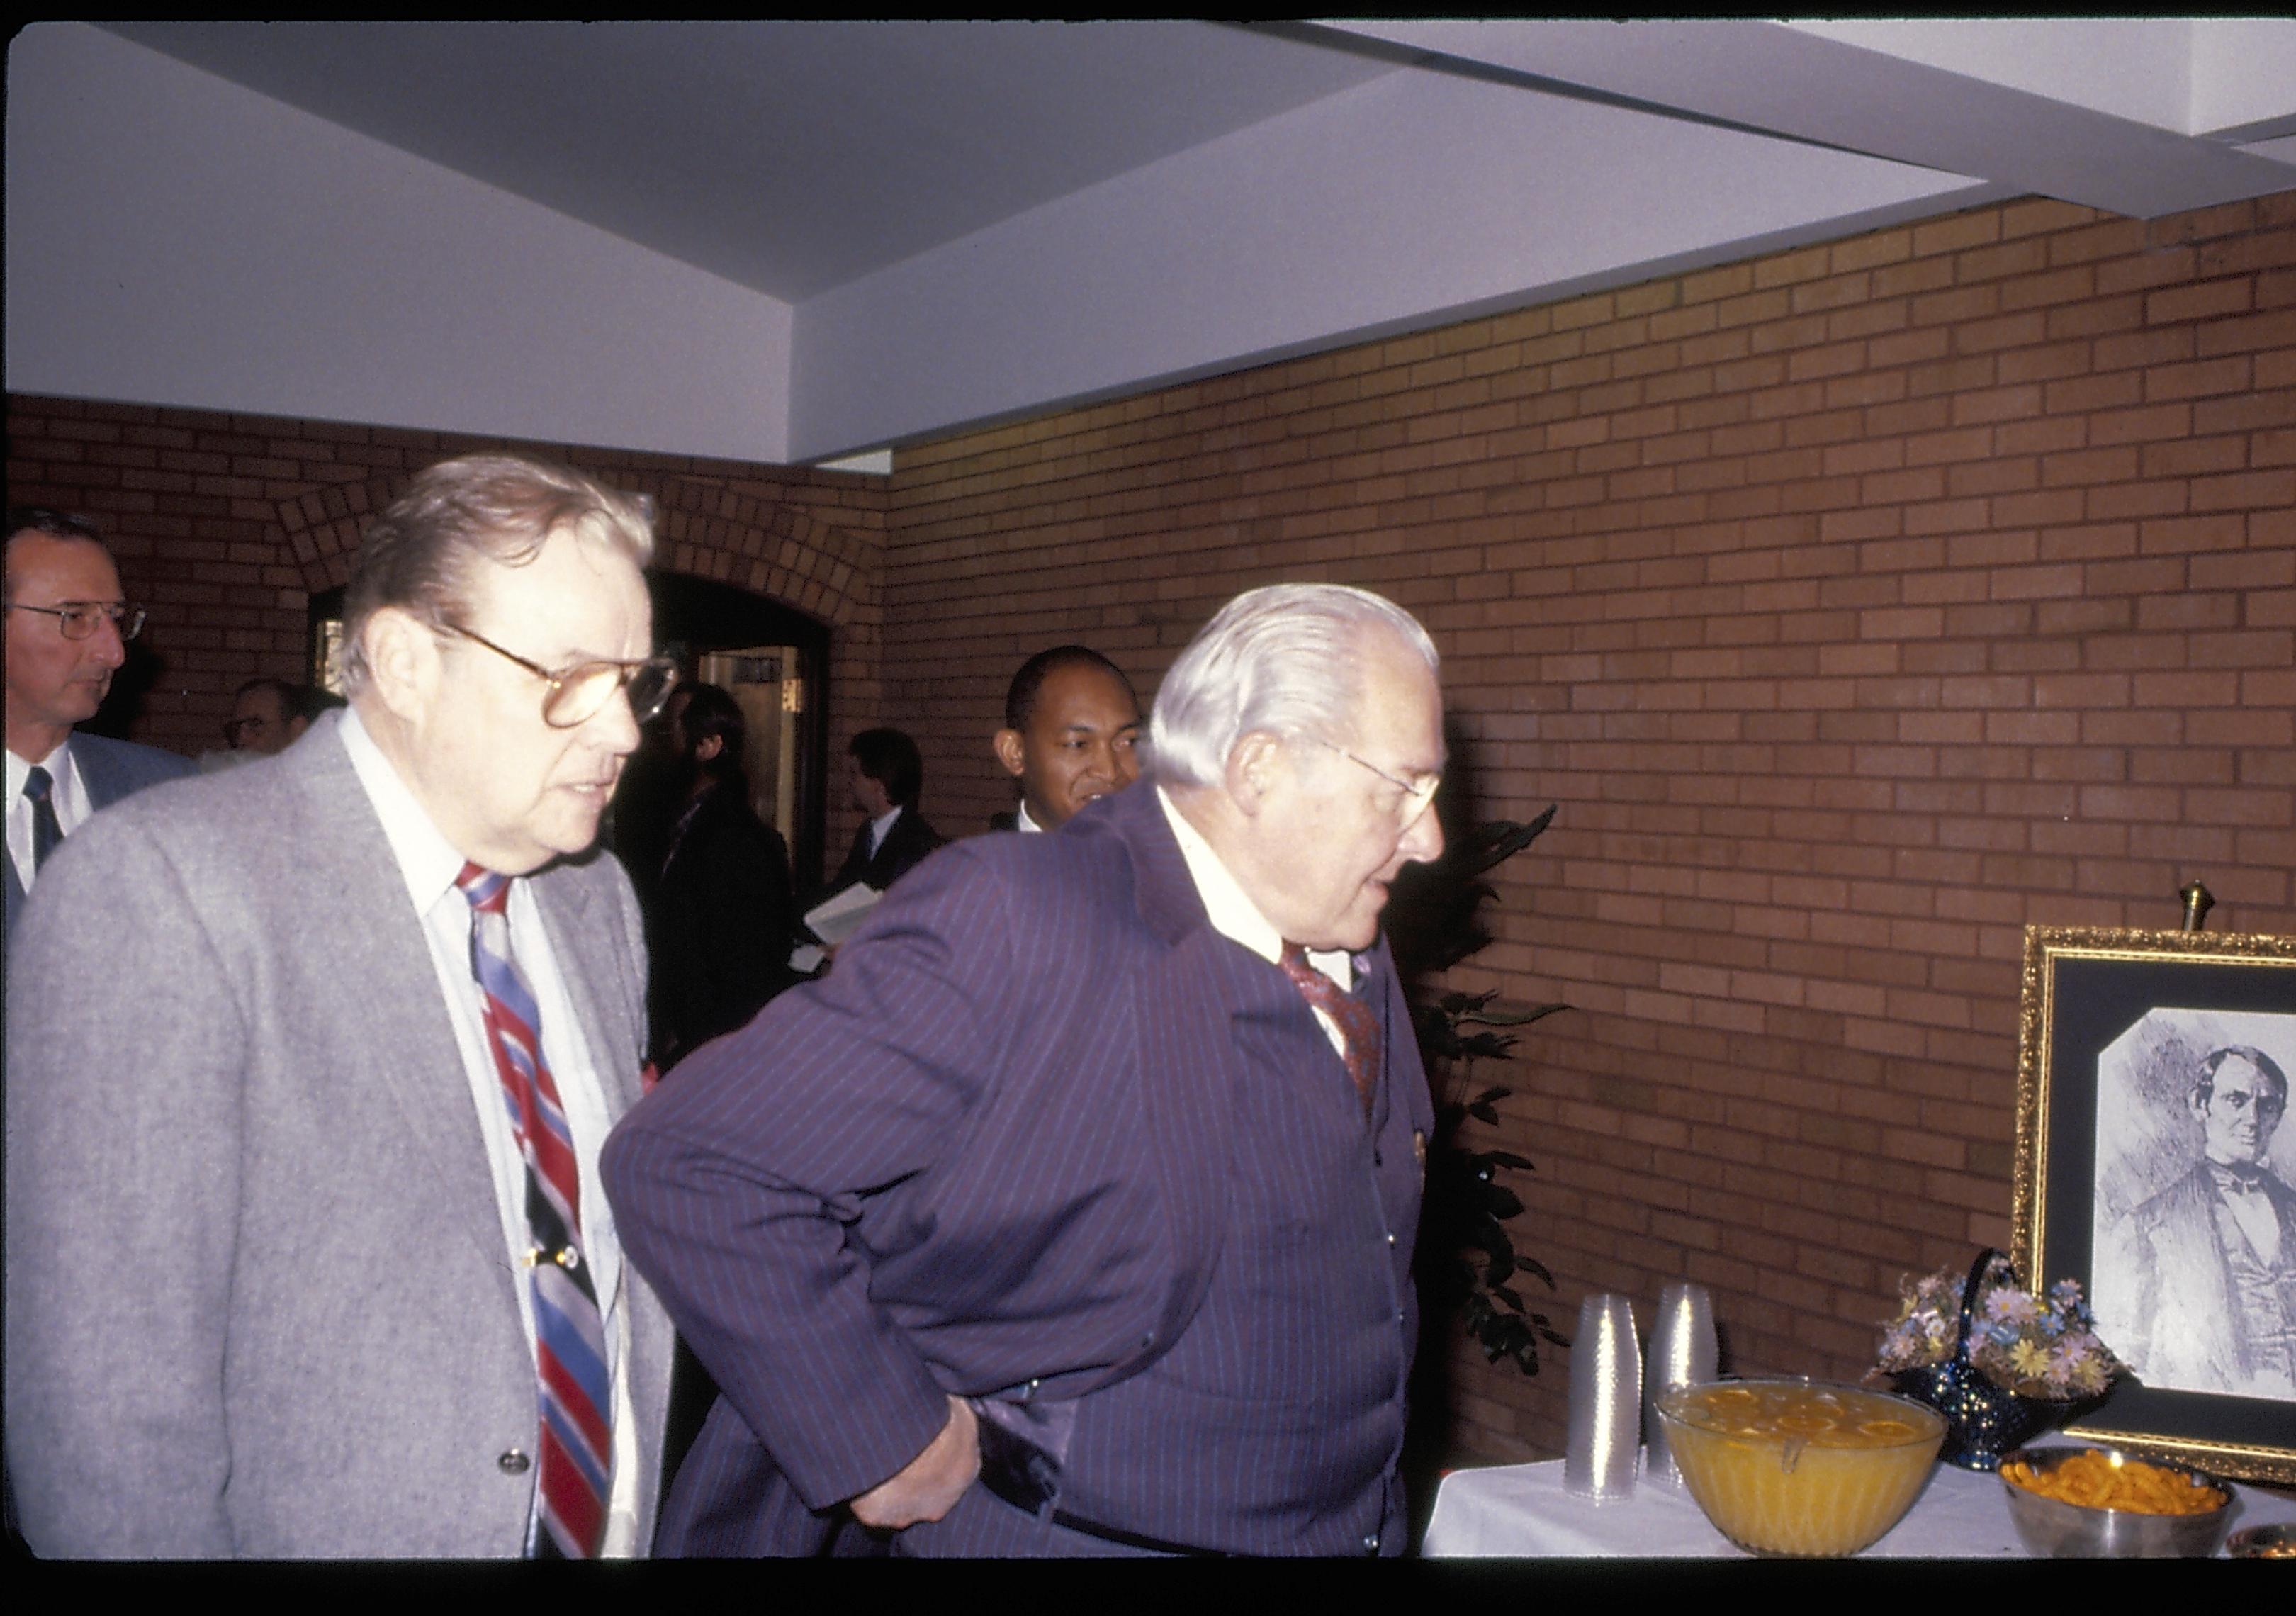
(45, 832)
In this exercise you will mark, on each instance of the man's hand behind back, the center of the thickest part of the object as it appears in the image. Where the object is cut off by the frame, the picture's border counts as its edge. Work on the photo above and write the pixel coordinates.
(929, 1486)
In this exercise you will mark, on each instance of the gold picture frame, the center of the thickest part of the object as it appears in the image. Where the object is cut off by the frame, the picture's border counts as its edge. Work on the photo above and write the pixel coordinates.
(2116, 1029)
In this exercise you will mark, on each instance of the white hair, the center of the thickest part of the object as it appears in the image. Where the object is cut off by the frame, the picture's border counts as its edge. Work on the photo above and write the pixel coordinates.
(1285, 660)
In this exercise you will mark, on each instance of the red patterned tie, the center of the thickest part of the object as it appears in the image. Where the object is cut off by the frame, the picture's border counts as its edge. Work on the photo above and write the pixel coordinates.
(576, 1440)
(1359, 1027)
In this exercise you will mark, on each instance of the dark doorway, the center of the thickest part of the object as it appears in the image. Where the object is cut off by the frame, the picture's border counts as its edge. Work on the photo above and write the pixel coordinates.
(775, 659)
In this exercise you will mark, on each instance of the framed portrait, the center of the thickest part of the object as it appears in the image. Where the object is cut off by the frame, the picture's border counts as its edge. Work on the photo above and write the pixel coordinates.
(2154, 1166)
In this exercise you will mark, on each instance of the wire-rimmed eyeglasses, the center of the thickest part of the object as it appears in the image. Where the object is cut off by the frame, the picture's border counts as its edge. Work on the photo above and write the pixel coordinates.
(1416, 793)
(77, 620)
(577, 694)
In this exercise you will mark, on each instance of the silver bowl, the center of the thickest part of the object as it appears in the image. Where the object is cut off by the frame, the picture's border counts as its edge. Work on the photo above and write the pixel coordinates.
(2053, 1529)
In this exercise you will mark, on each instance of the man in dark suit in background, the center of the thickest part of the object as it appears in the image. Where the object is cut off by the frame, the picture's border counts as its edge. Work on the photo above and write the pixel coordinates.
(1073, 1212)
(887, 777)
(1071, 735)
(720, 916)
(69, 625)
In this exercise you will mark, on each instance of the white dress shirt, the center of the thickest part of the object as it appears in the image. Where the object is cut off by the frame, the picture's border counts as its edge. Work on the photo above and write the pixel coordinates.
(1234, 916)
(1021, 820)
(430, 865)
(67, 794)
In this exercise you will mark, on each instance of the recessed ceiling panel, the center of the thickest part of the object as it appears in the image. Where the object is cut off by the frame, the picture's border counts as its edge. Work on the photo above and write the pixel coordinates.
(785, 156)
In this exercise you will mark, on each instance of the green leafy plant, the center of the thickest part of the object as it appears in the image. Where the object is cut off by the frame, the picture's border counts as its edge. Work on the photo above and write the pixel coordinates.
(1468, 1260)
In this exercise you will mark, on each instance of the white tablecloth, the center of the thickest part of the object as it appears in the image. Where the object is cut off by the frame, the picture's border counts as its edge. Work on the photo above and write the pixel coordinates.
(1522, 1510)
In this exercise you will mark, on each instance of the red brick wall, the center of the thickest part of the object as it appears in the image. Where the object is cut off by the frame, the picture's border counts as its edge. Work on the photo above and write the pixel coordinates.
(225, 525)
(1858, 605)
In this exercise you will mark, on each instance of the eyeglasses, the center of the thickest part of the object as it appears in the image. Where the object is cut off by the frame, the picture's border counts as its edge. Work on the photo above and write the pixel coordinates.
(1416, 793)
(77, 618)
(578, 693)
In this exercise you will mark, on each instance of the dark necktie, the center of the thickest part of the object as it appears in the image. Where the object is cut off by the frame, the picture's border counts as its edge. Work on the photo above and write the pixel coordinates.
(47, 834)
(1359, 1027)
(576, 1440)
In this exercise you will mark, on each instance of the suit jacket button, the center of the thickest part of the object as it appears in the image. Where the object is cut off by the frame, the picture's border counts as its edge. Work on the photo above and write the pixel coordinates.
(512, 1461)
(1371, 1543)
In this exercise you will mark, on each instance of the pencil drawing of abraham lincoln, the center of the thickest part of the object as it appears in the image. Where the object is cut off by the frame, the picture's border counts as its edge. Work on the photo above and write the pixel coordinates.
(2197, 1284)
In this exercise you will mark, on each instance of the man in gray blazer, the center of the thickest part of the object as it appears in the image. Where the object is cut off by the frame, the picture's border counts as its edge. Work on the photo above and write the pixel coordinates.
(285, 1152)
(69, 625)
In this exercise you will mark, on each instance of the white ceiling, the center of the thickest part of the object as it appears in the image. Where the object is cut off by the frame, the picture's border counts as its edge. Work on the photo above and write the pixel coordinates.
(974, 220)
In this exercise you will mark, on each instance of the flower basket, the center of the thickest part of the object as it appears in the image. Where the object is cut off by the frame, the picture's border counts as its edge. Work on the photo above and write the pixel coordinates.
(1984, 1420)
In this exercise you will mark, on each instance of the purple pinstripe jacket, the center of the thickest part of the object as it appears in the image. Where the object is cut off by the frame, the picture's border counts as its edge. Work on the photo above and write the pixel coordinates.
(998, 1146)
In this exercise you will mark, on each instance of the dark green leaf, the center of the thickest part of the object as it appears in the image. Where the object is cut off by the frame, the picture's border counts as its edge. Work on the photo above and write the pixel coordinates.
(1511, 1017)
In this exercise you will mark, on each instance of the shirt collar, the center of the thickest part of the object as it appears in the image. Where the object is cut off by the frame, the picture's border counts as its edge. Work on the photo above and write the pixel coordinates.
(880, 828)
(427, 861)
(57, 763)
(1021, 820)
(67, 793)
(1233, 914)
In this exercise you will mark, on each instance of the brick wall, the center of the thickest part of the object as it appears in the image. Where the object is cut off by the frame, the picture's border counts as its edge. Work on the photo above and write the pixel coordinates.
(225, 525)
(1857, 605)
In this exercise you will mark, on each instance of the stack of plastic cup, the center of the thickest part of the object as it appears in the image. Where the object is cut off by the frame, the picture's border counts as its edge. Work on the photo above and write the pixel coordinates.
(1682, 1353)
(1606, 1391)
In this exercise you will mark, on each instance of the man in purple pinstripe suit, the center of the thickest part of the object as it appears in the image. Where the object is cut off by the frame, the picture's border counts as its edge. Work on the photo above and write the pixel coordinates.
(1052, 1222)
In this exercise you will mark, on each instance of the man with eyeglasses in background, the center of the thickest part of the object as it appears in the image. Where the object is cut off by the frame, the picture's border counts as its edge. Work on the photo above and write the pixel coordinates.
(68, 626)
(267, 717)
(308, 1254)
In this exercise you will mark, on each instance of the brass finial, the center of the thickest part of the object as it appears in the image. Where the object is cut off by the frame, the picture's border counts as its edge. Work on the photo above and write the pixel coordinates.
(2197, 904)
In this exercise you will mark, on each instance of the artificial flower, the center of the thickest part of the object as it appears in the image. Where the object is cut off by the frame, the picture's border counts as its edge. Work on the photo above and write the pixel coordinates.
(2035, 1347)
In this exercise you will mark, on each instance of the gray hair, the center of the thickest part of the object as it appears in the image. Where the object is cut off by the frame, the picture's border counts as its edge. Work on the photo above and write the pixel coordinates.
(1285, 660)
(418, 555)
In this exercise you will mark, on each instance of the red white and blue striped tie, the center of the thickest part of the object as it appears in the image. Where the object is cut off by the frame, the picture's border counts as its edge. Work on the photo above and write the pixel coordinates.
(577, 1439)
